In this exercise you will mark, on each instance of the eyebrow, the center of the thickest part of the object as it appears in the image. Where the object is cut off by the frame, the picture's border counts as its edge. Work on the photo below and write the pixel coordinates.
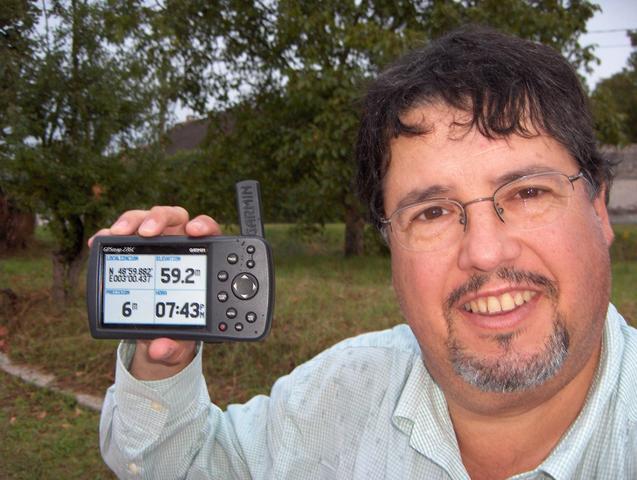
(519, 173)
(440, 191)
(421, 194)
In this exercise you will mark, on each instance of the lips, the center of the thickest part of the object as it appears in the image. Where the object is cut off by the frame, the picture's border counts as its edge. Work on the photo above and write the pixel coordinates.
(494, 304)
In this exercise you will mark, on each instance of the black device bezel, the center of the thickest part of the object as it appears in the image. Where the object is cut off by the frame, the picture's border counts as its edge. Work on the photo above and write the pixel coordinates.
(208, 332)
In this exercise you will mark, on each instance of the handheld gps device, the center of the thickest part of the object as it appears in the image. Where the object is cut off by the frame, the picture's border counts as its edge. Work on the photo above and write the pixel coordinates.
(213, 289)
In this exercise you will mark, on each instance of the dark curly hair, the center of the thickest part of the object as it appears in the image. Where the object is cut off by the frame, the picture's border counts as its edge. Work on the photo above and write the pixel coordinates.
(508, 86)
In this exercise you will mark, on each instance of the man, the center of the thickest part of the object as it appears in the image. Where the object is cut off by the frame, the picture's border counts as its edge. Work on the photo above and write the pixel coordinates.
(478, 162)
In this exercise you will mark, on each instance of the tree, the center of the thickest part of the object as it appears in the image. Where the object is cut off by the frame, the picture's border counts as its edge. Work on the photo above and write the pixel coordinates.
(614, 103)
(311, 59)
(17, 20)
(78, 115)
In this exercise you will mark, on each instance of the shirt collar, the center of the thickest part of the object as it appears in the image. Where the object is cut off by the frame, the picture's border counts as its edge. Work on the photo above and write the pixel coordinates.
(563, 461)
(421, 413)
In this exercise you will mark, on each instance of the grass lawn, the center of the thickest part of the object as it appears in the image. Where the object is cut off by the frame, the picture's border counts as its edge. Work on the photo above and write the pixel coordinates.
(321, 298)
(46, 436)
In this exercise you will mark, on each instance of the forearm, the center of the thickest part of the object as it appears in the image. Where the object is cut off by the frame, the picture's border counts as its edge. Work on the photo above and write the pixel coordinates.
(166, 428)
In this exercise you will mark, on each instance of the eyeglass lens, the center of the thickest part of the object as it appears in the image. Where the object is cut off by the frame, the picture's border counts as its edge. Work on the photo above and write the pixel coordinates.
(526, 203)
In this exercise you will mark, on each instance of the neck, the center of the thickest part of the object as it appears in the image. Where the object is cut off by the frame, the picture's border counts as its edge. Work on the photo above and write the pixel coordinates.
(501, 442)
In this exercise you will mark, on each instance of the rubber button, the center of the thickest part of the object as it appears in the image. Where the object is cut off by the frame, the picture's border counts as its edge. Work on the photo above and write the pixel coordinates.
(222, 276)
(245, 286)
(223, 326)
(222, 296)
(250, 249)
(251, 317)
(232, 258)
(238, 327)
(250, 263)
(231, 313)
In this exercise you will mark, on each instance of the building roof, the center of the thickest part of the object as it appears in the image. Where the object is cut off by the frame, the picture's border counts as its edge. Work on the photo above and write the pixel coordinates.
(188, 135)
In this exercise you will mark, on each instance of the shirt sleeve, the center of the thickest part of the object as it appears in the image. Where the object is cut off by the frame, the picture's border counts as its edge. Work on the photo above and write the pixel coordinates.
(170, 429)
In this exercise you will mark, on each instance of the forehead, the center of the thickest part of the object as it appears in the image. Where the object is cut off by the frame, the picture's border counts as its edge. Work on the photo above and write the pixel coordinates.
(461, 162)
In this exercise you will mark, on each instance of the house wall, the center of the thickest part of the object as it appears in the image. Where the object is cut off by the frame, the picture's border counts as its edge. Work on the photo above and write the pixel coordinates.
(622, 204)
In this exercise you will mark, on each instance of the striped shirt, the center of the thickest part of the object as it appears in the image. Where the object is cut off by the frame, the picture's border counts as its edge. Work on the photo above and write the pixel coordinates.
(364, 409)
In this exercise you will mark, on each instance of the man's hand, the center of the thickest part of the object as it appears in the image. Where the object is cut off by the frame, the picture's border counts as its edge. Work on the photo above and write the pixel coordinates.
(162, 357)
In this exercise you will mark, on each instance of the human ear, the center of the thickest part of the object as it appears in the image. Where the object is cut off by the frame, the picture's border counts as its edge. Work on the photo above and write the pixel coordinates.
(601, 211)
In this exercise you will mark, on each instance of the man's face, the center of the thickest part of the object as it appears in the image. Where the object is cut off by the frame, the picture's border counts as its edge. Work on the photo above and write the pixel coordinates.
(553, 281)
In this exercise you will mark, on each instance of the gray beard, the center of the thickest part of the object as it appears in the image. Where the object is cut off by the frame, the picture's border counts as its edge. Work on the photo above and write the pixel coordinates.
(512, 371)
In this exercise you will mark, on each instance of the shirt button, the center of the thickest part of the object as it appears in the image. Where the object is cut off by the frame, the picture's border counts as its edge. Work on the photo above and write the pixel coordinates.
(133, 469)
(158, 407)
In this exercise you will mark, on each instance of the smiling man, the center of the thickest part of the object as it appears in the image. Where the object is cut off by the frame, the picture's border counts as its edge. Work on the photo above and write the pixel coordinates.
(479, 166)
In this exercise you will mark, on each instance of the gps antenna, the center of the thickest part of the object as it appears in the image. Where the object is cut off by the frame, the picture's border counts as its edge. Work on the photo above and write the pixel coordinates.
(249, 207)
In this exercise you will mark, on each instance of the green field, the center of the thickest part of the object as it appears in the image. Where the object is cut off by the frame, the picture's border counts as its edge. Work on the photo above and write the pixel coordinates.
(321, 298)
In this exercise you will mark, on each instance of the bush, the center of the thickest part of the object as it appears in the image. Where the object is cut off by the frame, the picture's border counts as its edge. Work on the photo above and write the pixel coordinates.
(624, 247)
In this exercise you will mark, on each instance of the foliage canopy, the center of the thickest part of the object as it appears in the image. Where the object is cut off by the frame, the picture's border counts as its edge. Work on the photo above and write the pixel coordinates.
(88, 86)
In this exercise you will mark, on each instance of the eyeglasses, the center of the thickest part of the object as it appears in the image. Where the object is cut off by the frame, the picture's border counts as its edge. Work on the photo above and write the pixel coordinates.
(525, 203)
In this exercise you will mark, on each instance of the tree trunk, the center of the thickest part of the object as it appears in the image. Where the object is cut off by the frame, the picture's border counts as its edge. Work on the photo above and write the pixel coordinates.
(16, 225)
(354, 231)
(68, 258)
(66, 277)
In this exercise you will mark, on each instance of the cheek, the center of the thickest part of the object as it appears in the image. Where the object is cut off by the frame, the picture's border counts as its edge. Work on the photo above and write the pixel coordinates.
(420, 285)
(580, 262)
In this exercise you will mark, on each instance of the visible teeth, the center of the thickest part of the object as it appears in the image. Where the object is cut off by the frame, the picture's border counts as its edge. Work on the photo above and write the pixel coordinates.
(493, 305)
(506, 302)
(503, 303)
(482, 305)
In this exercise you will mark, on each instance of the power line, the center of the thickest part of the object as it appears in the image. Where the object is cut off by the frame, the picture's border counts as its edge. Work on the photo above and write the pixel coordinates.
(613, 30)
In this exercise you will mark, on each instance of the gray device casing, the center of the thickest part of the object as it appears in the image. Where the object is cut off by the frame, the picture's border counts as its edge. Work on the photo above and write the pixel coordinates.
(229, 317)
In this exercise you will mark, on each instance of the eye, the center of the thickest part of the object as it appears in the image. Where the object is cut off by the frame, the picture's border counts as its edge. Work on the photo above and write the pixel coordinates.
(532, 192)
(431, 213)
(527, 193)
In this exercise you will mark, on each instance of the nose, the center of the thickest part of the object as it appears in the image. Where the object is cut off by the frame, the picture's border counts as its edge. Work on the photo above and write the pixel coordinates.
(487, 242)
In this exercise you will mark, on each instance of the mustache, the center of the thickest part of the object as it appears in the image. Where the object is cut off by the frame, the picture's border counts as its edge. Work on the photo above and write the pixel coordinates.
(516, 277)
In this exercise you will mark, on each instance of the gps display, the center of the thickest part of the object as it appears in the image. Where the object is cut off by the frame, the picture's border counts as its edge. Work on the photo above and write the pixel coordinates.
(146, 288)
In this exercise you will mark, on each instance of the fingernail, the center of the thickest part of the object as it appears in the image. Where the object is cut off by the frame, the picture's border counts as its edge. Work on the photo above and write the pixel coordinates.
(120, 224)
(149, 224)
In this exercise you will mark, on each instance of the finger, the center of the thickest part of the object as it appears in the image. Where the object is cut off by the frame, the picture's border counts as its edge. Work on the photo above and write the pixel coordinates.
(100, 233)
(170, 352)
(128, 222)
(169, 220)
(202, 225)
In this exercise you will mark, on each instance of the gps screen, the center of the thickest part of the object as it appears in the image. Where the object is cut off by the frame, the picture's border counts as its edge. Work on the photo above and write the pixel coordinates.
(145, 286)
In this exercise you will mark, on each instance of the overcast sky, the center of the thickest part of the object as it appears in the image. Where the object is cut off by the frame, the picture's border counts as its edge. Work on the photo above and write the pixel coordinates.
(613, 47)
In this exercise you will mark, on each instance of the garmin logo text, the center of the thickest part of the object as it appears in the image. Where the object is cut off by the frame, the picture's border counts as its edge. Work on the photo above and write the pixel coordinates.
(248, 208)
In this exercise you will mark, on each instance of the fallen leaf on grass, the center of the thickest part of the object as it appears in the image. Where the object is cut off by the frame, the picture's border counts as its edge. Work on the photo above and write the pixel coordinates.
(66, 426)
(4, 331)
(40, 415)
(12, 420)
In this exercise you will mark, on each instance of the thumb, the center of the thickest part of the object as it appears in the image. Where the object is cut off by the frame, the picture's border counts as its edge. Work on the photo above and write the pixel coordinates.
(169, 351)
